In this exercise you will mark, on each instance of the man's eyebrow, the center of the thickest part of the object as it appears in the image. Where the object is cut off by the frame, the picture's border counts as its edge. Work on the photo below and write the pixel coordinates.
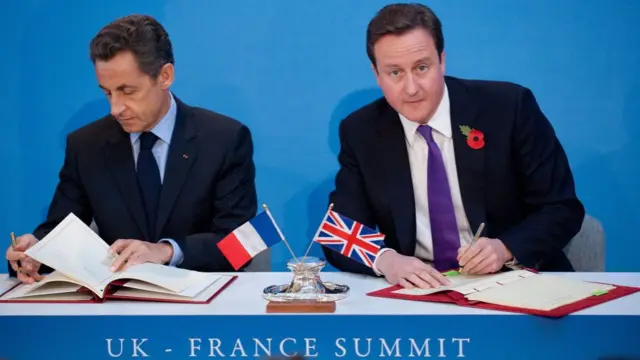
(426, 59)
(120, 88)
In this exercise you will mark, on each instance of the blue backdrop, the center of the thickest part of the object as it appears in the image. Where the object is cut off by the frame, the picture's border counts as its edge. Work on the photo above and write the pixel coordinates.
(292, 69)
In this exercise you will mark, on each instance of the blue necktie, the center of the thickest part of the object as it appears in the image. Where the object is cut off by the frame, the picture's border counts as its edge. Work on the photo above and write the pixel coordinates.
(149, 180)
(444, 229)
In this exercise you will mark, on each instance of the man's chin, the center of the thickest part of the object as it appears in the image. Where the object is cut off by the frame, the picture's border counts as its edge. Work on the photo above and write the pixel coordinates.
(130, 128)
(415, 117)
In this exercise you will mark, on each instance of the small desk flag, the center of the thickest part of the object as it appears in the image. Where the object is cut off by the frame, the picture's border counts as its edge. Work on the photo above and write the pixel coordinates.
(250, 239)
(349, 238)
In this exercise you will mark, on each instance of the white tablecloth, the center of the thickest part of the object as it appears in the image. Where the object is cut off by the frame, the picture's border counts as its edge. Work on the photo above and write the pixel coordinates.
(244, 297)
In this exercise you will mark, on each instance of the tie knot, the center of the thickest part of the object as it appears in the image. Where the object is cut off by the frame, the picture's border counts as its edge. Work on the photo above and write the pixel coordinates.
(426, 132)
(147, 139)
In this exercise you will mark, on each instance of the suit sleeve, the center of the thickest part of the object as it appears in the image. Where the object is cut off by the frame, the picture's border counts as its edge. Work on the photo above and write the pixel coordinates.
(234, 203)
(69, 197)
(547, 187)
(349, 199)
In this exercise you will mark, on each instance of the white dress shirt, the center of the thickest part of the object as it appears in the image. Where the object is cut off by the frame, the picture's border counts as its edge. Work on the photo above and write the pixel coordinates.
(418, 152)
(163, 130)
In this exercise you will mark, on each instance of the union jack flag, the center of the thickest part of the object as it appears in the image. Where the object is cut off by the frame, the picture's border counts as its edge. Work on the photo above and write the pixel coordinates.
(349, 238)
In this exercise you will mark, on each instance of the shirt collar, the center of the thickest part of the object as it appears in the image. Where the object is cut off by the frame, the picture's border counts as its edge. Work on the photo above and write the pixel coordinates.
(440, 121)
(164, 128)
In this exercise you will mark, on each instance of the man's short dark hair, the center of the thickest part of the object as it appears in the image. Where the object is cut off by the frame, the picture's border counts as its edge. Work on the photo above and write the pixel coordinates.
(142, 35)
(397, 19)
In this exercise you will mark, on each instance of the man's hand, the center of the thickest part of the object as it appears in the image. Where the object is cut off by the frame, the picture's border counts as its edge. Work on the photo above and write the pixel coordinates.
(28, 272)
(485, 257)
(130, 252)
(409, 271)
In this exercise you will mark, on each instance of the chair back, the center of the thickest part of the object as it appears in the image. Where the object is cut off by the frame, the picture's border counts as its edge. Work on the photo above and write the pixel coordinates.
(586, 251)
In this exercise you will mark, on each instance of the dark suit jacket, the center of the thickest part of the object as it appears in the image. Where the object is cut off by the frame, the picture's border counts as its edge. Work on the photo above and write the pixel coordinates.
(208, 188)
(519, 183)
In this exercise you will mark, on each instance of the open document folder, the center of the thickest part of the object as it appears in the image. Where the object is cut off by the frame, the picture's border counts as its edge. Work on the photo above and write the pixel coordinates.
(82, 273)
(521, 291)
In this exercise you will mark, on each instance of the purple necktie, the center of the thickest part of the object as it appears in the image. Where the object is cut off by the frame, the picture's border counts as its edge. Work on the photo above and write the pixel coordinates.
(444, 230)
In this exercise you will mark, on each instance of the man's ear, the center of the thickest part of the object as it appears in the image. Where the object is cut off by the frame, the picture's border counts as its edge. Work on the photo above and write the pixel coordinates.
(166, 76)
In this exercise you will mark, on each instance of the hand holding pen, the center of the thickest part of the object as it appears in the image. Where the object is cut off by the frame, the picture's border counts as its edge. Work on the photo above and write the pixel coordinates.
(25, 267)
(464, 249)
(483, 256)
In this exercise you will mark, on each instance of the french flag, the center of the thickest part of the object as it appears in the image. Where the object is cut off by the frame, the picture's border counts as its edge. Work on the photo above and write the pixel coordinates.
(250, 239)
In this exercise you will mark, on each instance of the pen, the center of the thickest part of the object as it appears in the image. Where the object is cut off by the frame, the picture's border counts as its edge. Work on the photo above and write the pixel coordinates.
(473, 242)
(14, 243)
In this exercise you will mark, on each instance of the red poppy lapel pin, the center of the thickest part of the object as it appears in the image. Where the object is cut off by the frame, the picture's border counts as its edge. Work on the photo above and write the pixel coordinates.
(475, 138)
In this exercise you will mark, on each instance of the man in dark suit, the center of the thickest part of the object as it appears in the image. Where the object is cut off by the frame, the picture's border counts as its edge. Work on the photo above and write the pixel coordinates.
(438, 156)
(163, 181)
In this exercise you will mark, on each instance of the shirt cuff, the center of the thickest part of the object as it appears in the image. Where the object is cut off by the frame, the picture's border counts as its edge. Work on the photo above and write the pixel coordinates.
(177, 257)
(375, 269)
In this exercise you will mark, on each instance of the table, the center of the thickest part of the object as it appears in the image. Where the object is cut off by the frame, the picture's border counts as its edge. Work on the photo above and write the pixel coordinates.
(235, 325)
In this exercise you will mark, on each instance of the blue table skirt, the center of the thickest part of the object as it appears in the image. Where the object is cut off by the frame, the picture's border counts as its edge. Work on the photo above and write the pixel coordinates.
(492, 337)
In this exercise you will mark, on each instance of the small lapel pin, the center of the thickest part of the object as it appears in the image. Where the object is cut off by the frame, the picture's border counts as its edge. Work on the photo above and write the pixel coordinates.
(185, 156)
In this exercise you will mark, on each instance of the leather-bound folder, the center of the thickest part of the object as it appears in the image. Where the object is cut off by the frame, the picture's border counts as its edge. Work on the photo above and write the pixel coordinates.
(82, 273)
(57, 291)
(548, 295)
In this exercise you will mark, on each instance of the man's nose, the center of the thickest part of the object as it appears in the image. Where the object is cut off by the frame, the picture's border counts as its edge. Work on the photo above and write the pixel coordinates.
(117, 106)
(410, 86)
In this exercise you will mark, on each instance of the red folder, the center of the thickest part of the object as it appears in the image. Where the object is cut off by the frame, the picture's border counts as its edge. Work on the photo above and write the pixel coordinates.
(82, 290)
(452, 297)
(111, 293)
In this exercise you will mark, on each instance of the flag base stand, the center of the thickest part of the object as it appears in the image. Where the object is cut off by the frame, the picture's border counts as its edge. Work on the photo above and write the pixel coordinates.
(306, 293)
(301, 306)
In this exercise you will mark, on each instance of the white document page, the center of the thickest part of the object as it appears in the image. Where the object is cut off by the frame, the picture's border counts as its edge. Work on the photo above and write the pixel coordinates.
(52, 288)
(202, 296)
(53, 283)
(8, 284)
(54, 297)
(189, 292)
(492, 281)
(467, 284)
(75, 250)
(171, 278)
(539, 292)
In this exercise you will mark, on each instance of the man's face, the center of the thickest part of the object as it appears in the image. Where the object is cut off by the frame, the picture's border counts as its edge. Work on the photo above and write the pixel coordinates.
(410, 73)
(137, 100)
